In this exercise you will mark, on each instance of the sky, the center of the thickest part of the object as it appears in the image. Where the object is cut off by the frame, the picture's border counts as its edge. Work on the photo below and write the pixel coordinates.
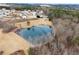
(42, 1)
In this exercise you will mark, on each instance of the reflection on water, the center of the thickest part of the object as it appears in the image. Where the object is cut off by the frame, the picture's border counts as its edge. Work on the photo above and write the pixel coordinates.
(37, 34)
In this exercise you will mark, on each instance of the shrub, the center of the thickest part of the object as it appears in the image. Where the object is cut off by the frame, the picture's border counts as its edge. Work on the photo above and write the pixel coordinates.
(76, 40)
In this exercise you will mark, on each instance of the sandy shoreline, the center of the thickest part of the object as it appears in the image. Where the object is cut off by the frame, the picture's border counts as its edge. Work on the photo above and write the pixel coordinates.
(11, 42)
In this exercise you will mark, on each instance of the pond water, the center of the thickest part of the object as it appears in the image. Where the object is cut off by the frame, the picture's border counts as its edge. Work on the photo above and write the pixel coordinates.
(37, 34)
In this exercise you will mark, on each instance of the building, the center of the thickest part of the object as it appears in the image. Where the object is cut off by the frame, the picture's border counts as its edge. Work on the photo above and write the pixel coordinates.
(4, 5)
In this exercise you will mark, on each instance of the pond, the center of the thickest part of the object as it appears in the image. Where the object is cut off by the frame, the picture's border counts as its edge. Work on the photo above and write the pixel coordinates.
(37, 34)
